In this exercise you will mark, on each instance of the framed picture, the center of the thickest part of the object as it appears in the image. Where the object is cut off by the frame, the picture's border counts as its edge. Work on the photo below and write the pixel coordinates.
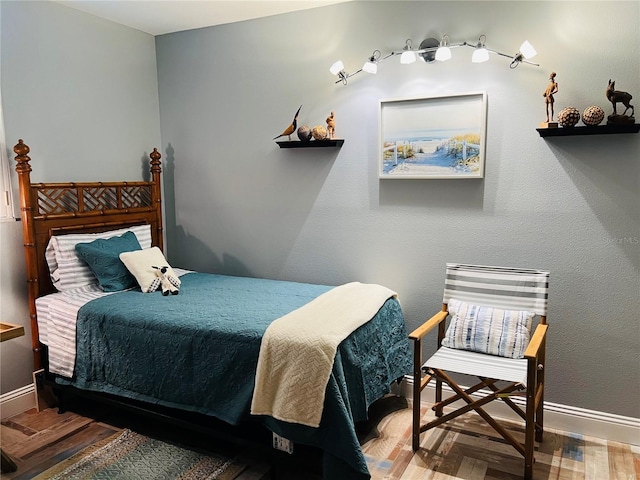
(435, 137)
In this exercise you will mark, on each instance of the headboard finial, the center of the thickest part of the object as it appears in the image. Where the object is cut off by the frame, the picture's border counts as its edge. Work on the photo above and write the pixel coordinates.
(155, 161)
(21, 150)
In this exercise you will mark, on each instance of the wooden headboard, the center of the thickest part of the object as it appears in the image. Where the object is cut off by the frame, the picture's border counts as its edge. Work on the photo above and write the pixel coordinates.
(49, 209)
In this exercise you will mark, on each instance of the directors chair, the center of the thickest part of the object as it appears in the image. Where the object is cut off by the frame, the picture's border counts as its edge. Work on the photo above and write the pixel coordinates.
(492, 312)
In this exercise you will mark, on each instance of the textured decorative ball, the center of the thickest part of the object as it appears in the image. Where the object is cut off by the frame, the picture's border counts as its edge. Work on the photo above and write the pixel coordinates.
(304, 133)
(568, 116)
(319, 132)
(592, 115)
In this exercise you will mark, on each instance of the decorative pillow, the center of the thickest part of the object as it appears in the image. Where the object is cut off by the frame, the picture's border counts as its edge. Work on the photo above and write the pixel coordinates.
(68, 271)
(488, 330)
(103, 258)
(140, 263)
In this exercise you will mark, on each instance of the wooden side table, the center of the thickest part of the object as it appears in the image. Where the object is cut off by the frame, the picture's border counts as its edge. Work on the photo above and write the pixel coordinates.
(7, 332)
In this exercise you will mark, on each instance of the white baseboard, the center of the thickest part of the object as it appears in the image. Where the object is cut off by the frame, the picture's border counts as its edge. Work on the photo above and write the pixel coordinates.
(592, 423)
(17, 401)
(565, 418)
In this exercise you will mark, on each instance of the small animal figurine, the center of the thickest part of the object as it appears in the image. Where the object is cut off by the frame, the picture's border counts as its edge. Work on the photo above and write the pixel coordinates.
(615, 96)
(168, 283)
(331, 125)
(291, 128)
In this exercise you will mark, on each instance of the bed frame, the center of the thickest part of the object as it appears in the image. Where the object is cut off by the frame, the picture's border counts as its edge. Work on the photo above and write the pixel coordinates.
(49, 209)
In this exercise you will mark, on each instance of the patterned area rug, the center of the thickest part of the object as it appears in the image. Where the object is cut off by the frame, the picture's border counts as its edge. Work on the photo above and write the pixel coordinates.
(129, 456)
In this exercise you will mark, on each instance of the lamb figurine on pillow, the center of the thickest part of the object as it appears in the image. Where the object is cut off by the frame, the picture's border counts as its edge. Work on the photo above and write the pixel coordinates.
(167, 282)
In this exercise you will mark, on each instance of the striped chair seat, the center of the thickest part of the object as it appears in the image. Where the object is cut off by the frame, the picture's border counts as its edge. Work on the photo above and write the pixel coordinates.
(479, 364)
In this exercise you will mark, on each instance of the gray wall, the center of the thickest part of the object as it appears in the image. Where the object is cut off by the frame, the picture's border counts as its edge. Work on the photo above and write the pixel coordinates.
(82, 93)
(238, 204)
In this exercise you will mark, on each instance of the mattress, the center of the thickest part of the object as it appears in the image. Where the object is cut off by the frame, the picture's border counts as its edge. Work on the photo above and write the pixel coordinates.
(57, 315)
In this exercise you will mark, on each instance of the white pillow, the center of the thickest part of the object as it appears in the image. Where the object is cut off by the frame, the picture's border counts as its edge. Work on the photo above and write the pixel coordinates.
(141, 262)
(68, 271)
(488, 330)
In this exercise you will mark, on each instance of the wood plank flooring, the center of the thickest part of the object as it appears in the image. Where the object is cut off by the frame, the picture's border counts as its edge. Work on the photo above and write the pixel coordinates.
(465, 449)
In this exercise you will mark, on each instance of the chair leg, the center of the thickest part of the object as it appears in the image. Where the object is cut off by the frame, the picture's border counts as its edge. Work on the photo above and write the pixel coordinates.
(530, 420)
(415, 431)
(439, 407)
(417, 390)
(540, 401)
(539, 420)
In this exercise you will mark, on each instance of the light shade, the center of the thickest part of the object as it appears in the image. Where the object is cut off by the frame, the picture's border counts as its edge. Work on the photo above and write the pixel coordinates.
(370, 67)
(407, 57)
(527, 50)
(480, 54)
(443, 54)
(337, 67)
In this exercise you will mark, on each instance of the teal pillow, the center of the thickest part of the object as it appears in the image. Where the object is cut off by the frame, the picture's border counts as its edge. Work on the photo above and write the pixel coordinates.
(103, 258)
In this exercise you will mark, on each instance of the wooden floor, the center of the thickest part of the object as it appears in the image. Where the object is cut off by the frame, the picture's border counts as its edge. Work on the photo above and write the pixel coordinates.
(466, 449)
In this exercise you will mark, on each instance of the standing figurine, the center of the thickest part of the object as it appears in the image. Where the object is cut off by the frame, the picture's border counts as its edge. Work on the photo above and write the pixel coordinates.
(331, 126)
(548, 94)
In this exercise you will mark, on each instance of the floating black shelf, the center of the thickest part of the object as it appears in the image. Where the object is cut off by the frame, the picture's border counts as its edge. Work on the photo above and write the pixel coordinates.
(586, 130)
(311, 143)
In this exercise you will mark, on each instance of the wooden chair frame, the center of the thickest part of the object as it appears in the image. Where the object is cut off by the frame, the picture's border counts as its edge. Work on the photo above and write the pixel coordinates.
(532, 414)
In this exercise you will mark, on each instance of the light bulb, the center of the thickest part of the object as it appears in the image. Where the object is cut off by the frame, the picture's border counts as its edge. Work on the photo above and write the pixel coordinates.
(527, 50)
(407, 57)
(443, 54)
(480, 54)
(337, 67)
(370, 67)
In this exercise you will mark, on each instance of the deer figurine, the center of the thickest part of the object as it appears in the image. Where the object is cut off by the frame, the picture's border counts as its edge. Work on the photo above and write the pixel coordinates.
(615, 96)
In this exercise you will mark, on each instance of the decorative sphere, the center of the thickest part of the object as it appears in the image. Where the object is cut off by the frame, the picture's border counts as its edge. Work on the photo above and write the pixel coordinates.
(592, 115)
(304, 133)
(319, 132)
(568, 116)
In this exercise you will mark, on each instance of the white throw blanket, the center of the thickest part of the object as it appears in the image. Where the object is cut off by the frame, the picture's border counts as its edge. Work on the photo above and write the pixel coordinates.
(298, 350)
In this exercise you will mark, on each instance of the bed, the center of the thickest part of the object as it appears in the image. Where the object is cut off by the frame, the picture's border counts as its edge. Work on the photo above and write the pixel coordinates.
(224, 346)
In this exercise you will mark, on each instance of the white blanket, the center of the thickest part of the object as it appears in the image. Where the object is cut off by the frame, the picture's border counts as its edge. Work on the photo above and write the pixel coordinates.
(298, 350)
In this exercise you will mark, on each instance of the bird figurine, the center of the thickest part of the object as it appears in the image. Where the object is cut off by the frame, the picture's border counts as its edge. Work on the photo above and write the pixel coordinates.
(291, 128)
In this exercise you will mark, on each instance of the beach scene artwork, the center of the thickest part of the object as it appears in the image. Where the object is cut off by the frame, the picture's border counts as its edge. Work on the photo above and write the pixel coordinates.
(439, 137)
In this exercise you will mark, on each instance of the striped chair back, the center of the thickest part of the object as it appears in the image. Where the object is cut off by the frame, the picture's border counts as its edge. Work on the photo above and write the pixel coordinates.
(498, 287)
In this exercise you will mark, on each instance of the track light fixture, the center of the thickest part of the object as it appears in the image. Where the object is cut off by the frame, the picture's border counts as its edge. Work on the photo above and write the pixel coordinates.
(444, 52)
(432, 50)
(408, 56)
(526, 52)
(371, 65)
(338, 69)
(480, 54)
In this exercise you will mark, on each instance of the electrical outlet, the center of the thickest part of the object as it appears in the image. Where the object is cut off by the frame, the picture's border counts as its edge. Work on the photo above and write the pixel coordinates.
(282, 444)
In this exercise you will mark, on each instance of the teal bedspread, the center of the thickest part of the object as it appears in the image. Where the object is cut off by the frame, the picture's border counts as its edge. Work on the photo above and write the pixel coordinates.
(198, 351)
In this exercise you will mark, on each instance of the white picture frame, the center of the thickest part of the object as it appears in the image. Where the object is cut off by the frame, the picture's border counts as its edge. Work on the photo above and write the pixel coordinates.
(440, 137)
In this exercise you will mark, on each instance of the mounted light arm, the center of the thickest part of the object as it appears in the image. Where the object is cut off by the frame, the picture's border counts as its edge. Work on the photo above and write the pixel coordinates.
(338, 69)
(371, 65)
(408, 56)
(443, 53)
(526, 52)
